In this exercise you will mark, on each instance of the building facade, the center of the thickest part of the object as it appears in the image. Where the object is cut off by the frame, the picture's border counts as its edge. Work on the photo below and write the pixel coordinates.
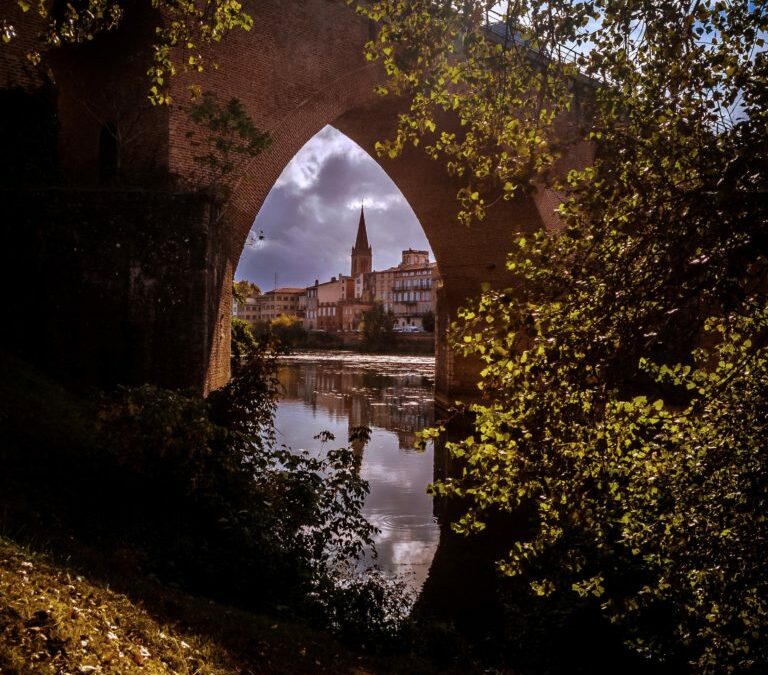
(408, 290)
(323, 302)
(270, 305)
(247, 311)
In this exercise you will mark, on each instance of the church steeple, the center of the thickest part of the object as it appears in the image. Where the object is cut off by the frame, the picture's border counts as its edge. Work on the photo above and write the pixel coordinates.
(362, 253)
(361, 243)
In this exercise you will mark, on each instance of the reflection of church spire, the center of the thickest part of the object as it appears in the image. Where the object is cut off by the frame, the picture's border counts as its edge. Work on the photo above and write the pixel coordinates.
(362, 253)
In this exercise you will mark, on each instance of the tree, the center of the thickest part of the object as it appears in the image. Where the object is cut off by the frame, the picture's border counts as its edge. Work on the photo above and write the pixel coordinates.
(428, 321)
(243, 289)
(182, 30)
(625, 366)
(377, 328)
(243, 343)
(288, 329)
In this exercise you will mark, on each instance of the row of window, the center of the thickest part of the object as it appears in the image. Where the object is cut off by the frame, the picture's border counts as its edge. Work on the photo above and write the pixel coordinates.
(323, 311)
(281, 306)
(412, 296)
(412, 283)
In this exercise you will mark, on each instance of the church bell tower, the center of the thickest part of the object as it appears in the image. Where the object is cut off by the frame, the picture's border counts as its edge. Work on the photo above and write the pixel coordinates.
(362, 254)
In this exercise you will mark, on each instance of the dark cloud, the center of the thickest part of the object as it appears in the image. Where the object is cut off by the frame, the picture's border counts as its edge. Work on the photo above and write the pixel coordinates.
(309, 218)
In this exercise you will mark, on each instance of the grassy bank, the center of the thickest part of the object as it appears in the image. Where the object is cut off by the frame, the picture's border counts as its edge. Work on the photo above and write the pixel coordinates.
(78, 595)
(54, 618)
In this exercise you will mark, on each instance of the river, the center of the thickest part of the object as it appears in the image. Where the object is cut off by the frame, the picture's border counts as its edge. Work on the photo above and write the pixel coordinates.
(454, 576)
(393, 395)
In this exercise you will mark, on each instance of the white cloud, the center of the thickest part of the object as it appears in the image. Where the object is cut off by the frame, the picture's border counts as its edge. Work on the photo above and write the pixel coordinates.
(310, 216)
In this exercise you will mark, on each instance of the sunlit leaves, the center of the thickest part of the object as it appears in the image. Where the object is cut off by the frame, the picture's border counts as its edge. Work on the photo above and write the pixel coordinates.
(630, 423)
(189, 27)
(184, 29)
(442, 58)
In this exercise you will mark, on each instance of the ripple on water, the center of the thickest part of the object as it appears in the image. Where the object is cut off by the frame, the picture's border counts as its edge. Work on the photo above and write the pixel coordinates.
(402, 522)
(381, 364)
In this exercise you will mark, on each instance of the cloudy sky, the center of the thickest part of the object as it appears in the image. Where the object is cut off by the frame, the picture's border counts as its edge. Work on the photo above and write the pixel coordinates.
(310, 217)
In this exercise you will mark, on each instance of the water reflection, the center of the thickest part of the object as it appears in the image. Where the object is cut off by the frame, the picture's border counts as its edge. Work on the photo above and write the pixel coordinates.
(394, 397)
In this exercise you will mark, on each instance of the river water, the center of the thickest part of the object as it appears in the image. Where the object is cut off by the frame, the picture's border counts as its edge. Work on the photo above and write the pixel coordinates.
(454, 576)
(393, 395)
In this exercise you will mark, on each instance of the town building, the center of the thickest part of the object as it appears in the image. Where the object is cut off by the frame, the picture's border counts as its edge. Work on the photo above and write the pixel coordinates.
(408, 290)
(247, 311)
(278, 302)
(323, 303)
(270, 305)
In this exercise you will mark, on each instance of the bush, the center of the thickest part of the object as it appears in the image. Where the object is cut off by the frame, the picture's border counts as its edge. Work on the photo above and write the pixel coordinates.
(378, 328)
(288, 330)
(226, 511)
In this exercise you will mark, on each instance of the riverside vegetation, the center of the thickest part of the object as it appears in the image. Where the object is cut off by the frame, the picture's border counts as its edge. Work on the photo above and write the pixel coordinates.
(625, 365)
(178, 500)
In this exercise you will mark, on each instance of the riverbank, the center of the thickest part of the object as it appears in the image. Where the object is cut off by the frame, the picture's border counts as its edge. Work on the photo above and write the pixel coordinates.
(77, 597)
(56, 617)
(403, 344)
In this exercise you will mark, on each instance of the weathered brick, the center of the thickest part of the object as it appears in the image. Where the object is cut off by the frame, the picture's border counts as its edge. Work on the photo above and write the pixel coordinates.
(299, 68)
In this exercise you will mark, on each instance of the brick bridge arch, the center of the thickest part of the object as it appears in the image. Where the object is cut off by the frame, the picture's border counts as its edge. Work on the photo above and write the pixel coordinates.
(300, 67)
(305, 69)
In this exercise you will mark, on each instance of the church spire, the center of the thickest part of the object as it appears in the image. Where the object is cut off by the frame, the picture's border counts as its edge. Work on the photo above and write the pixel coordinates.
(361, 243)
(362, 254)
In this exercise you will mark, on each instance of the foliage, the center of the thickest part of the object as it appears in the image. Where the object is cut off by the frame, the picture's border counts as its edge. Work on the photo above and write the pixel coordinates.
(86, 627)
(61, 617)
(377, 328)
(436, 55)
(281, 334)
(241, 517)
(243, 342)
(625, 364)
(244, 289)
(289, 330)
(183, 29)
(230, 139)
(225, 509)
(428, 321)
(369, 607)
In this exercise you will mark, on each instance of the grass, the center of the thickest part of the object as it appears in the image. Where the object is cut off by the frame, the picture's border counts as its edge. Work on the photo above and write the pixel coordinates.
(75, 597)
(55, 620)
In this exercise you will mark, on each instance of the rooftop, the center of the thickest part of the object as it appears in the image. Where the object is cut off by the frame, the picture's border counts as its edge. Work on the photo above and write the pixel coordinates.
(286, 289)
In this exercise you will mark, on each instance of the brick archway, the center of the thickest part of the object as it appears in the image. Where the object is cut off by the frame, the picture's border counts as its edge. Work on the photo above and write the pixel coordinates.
(308, 71)
(466, 257)
(300, 67)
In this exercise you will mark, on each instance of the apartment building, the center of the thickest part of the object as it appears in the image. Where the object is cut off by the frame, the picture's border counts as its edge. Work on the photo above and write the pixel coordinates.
(408, 290)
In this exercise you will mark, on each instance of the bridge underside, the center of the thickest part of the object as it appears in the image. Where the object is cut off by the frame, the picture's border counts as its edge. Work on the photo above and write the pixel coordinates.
(156, 287)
